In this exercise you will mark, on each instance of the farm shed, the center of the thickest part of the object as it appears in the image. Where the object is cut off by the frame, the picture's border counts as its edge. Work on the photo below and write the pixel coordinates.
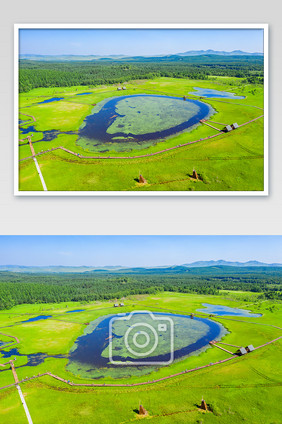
(250, 348)
(241, 351)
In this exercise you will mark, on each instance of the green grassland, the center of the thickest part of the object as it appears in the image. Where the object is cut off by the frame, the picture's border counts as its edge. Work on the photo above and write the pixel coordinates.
(229, 162)
(244, 389)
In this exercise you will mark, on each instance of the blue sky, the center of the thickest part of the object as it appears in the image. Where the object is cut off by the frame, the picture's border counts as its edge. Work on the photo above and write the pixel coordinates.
(136, 250)
(137, 41)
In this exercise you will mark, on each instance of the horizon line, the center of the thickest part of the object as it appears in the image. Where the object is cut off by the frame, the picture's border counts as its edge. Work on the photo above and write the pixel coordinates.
(143, 55)
(143, 266)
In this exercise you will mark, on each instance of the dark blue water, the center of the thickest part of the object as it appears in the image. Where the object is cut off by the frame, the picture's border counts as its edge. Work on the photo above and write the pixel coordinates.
(75, 310)
(95, 126)
(38, 318)
(226, 311)
(90, 346)
(53, 99)
(82, 94)
(48, 135)
(209, 93)
(32, 359)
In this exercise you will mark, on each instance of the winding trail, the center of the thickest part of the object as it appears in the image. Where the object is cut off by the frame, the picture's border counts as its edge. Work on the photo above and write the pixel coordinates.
(9, 344)
(78, 155)
(70, 383)
(30, 116)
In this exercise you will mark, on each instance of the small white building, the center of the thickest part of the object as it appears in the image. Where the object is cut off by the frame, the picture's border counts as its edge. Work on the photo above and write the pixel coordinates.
(250, 348)
(241, 351)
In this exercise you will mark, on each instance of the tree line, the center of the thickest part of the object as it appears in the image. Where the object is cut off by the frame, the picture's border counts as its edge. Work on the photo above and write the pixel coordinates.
(34, 74)
(16, 289)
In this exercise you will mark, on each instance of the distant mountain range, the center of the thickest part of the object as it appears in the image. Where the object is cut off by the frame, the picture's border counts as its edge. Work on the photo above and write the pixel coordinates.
(219, 53)
(170, 57)
(211, 266)
(228, 263)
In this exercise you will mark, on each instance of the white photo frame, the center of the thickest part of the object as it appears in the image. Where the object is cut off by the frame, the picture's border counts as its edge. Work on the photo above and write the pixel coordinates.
(17, 192)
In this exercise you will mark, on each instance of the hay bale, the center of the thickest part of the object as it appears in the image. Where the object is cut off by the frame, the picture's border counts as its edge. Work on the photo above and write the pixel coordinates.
(142, 410)
(142, 179)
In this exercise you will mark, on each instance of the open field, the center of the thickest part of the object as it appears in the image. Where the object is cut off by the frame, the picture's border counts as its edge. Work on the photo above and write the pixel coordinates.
(241, 389)
(227, 162)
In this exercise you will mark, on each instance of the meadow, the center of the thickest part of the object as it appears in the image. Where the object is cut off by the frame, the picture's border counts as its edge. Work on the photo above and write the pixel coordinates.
(243, 389)
(229, 162)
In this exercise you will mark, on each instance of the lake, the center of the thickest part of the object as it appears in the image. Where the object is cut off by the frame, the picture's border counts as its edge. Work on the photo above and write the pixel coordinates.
(209, 93)
(89, 356)
(138, 121)
(226, 311)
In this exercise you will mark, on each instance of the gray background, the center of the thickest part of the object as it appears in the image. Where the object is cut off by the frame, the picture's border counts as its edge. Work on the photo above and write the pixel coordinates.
(143, 215)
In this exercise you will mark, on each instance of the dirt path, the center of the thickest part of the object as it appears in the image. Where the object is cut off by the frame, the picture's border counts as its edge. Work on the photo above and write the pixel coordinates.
(30, 116)
(40, 174)
(20, 392)
(36, 163)
(24, 405)
(12, 337)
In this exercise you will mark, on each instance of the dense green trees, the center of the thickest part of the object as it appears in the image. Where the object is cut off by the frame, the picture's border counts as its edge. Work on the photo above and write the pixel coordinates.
(33, 74)
(18, 288)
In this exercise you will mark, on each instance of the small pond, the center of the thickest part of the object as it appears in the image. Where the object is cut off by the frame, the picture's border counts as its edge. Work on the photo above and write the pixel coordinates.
(89, 357)
(53, 99)
(38, 318)
(226, 311)
(209, 93)
(82, 94)
(75, 310)
(138, 121)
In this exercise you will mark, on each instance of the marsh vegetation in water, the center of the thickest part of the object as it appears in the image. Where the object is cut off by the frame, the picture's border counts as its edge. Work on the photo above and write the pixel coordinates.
(226, 311)
(210, 93)
(89, 357)
(138, 121)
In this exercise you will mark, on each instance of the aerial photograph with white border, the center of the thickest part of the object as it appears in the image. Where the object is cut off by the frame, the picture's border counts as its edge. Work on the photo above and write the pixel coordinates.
(141, 109)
